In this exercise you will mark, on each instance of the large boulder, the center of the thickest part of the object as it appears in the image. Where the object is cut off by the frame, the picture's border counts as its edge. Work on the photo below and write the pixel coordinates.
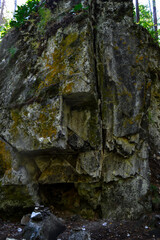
(43, 225)
(74, 98)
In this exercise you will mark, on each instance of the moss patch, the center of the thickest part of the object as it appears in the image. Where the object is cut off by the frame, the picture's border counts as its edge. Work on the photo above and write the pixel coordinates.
(63, 63)
(5, 158)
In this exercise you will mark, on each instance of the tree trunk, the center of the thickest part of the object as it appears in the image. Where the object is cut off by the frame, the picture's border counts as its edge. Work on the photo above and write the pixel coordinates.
(155, 19)
(15, 5)
(137, 11)
(2, 12)
(149, 4)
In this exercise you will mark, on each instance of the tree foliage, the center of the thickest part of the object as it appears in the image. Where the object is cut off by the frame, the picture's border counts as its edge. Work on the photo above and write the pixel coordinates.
(146, 20)
(23, 12)
(21, 15)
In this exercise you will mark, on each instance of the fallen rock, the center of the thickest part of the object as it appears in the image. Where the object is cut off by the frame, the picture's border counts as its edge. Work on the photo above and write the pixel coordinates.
(25, 219)
(81, 235)
(46, 229)
(10, 239)
(157, 217)
(13, 239)
(37, 216)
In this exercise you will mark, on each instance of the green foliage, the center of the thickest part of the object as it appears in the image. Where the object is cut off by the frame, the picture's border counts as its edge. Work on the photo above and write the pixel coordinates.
(23, 13)
(146, 20)
(4, 29)
(155, 196)
(150, 118)
(79, 7)
(12, 51)
(45, 17)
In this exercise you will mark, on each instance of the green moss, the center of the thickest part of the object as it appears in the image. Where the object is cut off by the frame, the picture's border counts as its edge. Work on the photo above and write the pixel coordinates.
(42, 125)
(139, 58)
(44, 122)
(88, 213)
(64, 57)
(12, 51)
(35, 45)
(15, 115)
(5, 158)
(14, 196)
(155, 197)
(45, 17)
(94, 132)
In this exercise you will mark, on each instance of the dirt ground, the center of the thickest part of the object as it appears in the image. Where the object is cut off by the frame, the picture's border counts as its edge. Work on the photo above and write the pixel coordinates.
(147, 227)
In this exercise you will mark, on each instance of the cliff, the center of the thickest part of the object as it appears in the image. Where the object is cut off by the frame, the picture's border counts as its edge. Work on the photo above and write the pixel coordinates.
(77, 92)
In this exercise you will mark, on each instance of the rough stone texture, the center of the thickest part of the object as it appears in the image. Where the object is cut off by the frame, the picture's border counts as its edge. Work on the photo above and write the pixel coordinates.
(49, 227)
(81, 235)
(75, 106)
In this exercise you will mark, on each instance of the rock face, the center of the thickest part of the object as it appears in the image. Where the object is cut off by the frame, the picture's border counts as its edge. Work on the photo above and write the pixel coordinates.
(81, 235)
(45, 227)
(74, 100)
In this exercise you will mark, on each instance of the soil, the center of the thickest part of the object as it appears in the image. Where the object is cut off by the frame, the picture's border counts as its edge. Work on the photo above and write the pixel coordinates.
(147, 227)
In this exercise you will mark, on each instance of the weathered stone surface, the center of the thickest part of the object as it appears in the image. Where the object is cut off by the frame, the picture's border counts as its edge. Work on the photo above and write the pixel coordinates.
(25, 219)
(48, 227)
(81, 235)
(134, 188)
(77, 108)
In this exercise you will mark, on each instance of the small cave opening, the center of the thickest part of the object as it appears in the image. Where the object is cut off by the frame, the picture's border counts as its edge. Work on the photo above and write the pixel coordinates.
(60, 196)
(64, 197)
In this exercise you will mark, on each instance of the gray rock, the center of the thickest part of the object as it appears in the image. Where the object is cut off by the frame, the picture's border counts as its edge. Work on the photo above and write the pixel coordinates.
(47, 229)
(10, 239)
(81, 235)
(157, 217)
(36, 216)
(25, 219)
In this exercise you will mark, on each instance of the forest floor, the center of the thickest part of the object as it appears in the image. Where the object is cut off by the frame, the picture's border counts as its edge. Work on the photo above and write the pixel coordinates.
(145, 228)
(148, 227)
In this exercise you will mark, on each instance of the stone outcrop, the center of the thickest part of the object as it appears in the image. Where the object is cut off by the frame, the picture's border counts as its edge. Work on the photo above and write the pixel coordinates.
(74, 100)
(43, 225)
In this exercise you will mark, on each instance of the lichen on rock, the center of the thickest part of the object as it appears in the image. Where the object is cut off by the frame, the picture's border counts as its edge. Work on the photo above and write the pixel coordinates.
(77, 110)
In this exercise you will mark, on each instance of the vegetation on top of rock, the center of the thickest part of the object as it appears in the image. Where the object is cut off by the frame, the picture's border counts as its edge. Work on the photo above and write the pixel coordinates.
(45, 17)
(23, 13)
(146, 21)
(79, 7)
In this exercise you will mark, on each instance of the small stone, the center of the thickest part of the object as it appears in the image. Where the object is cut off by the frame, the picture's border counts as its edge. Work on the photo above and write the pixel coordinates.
(128, 235)
(49, 228)
(146, 227)
(81, 235)
(10, 239)
(19, 229)
(37, 216)
(104, 224)
(83, 228)
(25, 219)
(157, 217)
